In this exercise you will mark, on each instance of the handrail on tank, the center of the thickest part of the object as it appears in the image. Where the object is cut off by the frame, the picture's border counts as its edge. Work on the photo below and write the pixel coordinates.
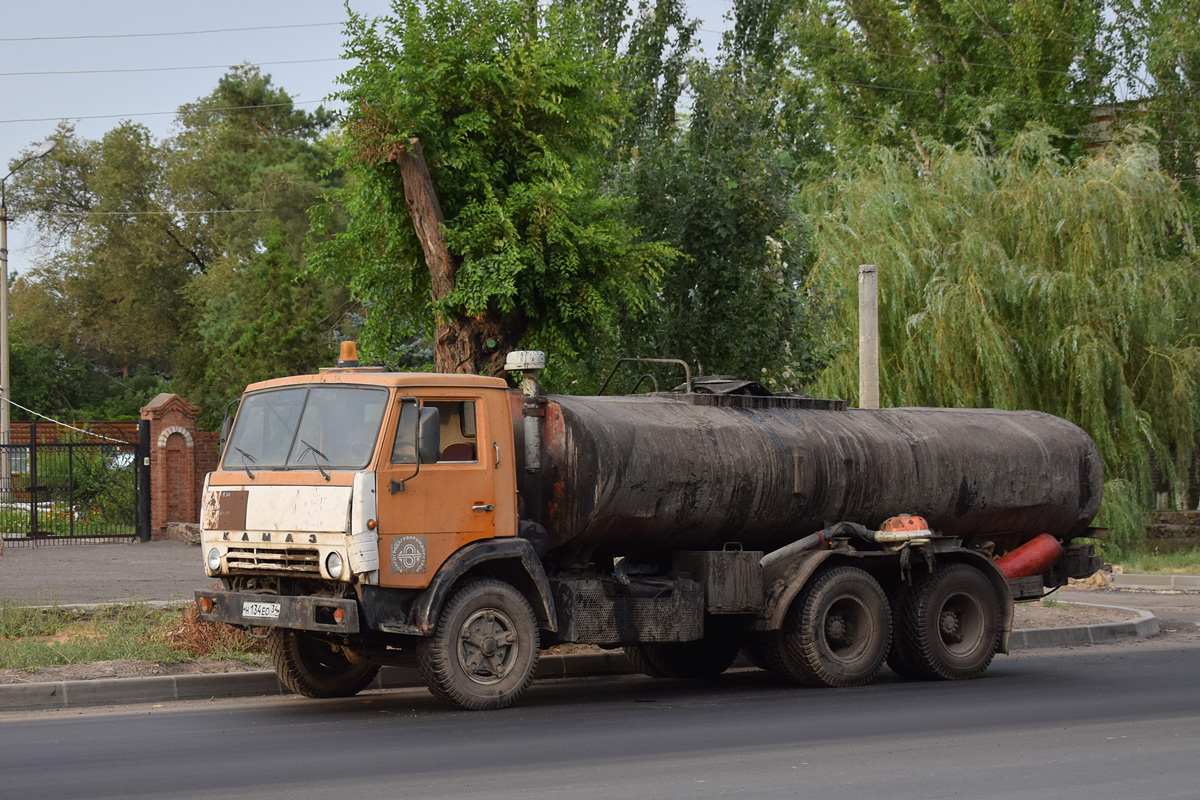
(645, 376)
(687, 371)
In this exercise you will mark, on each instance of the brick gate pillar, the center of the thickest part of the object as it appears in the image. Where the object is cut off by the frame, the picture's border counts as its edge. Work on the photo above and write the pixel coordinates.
(174, 496)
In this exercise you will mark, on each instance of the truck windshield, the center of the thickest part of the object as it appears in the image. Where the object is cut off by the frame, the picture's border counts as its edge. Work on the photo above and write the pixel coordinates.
(318, 427)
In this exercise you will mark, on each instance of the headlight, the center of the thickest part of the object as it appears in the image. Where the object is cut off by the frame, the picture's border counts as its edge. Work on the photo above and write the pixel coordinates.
(214, 560)
(333, 565)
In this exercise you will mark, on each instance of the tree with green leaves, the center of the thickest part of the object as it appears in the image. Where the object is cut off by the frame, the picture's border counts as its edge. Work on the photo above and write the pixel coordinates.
(1158, 44)
(183, 259)
(719, 184)
(117, 257)
(911, 74)
(1027, 280)
(473, 147)
(244, 171)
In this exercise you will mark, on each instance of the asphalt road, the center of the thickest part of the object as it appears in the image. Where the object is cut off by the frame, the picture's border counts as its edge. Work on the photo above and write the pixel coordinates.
(1113, 721)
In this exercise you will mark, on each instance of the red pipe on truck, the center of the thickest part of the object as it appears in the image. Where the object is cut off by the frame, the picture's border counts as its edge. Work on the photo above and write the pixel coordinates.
(1032, 558)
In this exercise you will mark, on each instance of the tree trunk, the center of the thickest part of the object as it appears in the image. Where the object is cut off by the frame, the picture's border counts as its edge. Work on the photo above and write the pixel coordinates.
(462, 344)
(475, 345)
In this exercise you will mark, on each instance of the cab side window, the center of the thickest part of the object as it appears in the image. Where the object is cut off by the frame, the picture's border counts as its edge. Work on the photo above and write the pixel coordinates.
(458, 430)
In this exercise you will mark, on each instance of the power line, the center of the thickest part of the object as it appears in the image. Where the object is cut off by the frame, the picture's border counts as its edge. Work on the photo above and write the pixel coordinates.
(1009, 67)
(913, 122)
(60, 422)
(935, 93)
(156, 113)
(162, 69)
(959, 126)
(165, 33)
(166, 211)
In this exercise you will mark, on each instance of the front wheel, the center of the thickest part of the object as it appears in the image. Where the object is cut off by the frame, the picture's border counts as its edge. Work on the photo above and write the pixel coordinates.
(485, 649)
(315, 668)
(836, 633)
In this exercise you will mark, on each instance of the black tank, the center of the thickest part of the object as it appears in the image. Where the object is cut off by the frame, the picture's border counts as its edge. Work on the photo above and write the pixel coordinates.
(642, 476)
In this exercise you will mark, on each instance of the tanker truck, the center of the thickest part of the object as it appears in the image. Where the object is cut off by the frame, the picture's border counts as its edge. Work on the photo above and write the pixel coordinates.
(360, 518)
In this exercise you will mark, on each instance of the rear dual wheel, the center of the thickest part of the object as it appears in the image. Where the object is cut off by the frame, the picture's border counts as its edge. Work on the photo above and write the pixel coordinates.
(836, 632)
(948, 626)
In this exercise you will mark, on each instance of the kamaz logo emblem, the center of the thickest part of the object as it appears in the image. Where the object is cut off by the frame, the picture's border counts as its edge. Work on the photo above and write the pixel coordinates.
(408, 555)
(266, 537)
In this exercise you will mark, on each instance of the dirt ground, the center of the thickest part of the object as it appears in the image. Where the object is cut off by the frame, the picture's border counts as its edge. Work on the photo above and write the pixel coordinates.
(1028, 615)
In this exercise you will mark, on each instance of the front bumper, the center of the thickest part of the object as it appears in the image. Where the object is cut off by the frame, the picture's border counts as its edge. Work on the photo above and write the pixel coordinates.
(297, 613)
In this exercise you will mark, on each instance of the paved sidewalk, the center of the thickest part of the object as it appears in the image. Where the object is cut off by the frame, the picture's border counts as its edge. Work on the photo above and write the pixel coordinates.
(1157, 583)
(76, 574)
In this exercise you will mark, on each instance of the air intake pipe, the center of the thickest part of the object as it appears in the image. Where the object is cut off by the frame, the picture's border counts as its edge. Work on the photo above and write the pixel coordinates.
(894, 530)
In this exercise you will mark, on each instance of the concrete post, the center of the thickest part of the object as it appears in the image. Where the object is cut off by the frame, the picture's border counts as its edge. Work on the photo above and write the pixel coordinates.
(868, 336)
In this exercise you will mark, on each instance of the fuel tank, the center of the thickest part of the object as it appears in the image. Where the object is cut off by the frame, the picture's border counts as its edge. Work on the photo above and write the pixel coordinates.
(641, 476)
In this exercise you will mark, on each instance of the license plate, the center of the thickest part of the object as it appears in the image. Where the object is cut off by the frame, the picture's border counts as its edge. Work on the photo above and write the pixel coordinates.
(253, 608)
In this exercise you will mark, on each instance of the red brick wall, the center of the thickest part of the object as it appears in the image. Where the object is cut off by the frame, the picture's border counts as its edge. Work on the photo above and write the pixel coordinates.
(180, 456)
(206, 454)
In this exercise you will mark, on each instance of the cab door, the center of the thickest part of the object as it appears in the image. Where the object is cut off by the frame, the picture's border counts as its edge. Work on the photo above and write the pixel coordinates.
(428, 511)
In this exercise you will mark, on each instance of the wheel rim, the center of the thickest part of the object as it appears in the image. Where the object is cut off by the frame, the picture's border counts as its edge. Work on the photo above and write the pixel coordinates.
(487, 646)
(961, 624)
(847, 629)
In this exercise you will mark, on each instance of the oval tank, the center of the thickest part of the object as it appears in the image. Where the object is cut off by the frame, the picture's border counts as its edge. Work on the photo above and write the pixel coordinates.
(641, 476)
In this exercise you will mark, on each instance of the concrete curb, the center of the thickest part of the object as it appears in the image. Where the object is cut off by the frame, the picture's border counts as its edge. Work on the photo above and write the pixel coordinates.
(259, 683)
(165, 688)
(1157, 583)
(1145, 624)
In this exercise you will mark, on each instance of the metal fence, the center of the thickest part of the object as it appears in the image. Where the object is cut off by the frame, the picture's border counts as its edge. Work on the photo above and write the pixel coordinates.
(73, 488)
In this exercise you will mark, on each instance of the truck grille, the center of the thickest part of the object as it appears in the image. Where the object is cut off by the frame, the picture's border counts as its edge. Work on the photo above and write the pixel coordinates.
(260, 559)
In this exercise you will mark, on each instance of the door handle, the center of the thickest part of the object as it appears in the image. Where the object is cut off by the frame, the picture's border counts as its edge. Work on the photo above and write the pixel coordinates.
(483, 507)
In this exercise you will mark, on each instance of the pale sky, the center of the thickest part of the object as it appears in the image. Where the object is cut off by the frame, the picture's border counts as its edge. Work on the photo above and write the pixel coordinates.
(32, 102)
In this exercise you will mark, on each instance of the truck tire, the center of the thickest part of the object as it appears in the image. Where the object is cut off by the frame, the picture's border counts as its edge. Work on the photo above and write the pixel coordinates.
(485, 648)
(703, 658)
(314, 668)
(900, 659)
(950, 627)
(836, 633)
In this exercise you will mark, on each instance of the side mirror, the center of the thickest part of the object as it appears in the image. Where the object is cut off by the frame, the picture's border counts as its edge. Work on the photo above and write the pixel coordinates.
(226, 426)
(422, 426)
(429, 436)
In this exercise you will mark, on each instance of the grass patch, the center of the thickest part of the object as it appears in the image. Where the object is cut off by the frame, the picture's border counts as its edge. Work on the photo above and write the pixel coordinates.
(1184, 562)
(31, 638)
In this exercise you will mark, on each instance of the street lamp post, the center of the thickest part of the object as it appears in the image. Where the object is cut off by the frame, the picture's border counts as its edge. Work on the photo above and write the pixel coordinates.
(5, 387)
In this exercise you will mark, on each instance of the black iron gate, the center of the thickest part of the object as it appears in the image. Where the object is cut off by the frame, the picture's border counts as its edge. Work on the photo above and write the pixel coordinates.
(81, 488)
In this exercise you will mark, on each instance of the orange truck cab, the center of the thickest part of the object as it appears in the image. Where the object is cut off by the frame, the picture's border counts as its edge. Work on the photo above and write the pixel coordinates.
(339, 500)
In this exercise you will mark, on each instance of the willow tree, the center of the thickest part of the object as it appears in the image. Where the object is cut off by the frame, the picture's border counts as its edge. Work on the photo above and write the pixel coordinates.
(473, 148)
(1026, 281)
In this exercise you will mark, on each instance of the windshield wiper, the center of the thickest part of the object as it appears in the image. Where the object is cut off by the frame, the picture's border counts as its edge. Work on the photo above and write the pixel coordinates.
(316, 452)
(246, 457)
